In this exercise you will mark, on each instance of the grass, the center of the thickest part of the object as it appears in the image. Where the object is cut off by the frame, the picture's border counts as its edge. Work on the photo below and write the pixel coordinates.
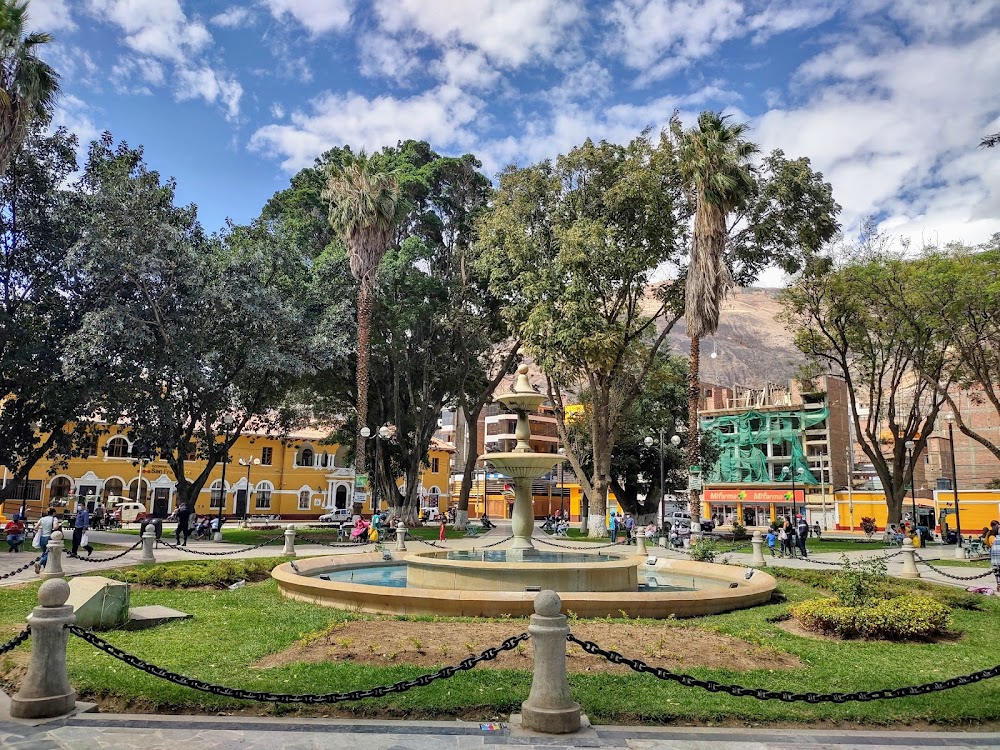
(983, 564)
(325, 534)
(231, 630)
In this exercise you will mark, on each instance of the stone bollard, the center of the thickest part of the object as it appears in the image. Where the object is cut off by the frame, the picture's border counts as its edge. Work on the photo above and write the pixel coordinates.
(909, 560)
(148, 539)
(758, 549)
(550, 707)
(400, 537)
(289, 550)
(640, 541)
(53, 566)
(45, 691)
(960, 553)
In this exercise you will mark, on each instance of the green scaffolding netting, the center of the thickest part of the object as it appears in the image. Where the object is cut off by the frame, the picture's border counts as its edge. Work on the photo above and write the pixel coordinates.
(744, 439)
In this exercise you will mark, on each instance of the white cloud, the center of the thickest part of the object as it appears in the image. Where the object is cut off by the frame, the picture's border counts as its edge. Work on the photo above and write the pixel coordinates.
(319, 16)
(147, 71)
(441, 116)
(660, 37)
(233, 17)
(779, 17)
(74, 114)
(465, 67)
(896, 133)
(277, 111)
(50, 15)
(158, 28)
(388, 57)
(208, 84)
(509, 32)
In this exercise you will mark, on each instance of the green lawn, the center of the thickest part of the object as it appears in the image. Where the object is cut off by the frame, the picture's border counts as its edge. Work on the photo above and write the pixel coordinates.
(323, 534)
(231, 630)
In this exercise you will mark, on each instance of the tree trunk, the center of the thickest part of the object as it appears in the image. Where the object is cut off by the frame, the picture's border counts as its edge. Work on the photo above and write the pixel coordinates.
(469, 470)
(694, 396)
(597, 511)
(364, 336)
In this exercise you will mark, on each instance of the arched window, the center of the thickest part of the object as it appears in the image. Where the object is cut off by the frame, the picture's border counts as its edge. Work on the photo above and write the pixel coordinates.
(117, 447)
(137, 490)
(304, 497)
(324, 459)
(217, 494)
(264, 490)
(341, 498)
(306, 457)
(113, 487)
(60, 488)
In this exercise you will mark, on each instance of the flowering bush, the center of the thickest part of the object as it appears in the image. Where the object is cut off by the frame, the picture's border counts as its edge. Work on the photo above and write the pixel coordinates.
(899, 617)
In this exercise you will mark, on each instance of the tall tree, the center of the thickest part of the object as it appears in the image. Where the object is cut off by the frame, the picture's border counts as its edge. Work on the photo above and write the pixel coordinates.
(571, 246)
(39, 304)
(955, 291)
(364, 210)
(857, 320)
(199, 328)
(27, 84)
(714, 160)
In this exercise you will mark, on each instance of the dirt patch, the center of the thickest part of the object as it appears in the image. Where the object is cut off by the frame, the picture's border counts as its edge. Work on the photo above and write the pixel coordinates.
(429, 644)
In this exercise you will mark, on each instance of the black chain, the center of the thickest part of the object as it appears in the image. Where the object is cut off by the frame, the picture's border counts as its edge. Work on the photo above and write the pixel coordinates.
(788, 697)
(252, 695)
(336, 544)
(575, 546)
(494, 544)
(192, 551)
(938, 570)
(109, 559)
(16, 641)
(410, 538)
(21, 569)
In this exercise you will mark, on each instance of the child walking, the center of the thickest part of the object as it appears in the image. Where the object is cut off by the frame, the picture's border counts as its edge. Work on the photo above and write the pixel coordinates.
(772, 539)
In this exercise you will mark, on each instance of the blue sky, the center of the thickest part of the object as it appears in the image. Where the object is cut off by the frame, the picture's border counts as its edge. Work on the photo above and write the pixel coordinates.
(889, 98)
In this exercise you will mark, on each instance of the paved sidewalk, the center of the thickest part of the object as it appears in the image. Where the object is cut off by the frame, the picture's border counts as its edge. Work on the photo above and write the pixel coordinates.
(151, 732)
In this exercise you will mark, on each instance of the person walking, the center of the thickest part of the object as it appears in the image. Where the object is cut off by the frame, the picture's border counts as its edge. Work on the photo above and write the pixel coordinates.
(629, 528)
(47, 524)
(442, 528)
(81, 523)
(782, 541)
(802, 529)
(613, 528)
(183, 524)
(788, 539)
(995, 560)
(772, 538)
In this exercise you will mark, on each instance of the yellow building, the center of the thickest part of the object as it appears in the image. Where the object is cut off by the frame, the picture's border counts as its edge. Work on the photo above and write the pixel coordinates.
(298, 477)
(976, 507)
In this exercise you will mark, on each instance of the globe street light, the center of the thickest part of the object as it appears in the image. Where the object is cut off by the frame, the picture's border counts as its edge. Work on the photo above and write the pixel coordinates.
(227, 421)
(248, 462)
(562, 452)
(796, 473)
(910, 445)
(675, 441)
(950, 417)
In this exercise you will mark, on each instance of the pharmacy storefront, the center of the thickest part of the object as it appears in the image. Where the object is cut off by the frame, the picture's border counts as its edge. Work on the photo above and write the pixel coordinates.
(752, 508)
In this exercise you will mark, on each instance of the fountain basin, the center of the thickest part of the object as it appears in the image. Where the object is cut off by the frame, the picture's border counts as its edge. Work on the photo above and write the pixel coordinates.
(381, 599)
(445, 570)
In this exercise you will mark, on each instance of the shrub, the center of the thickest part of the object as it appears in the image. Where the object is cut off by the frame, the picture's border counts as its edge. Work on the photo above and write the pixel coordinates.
(868, 525)
(859, 584)
(899, 617)
(739, 532)
(704, 550)
(197, 573)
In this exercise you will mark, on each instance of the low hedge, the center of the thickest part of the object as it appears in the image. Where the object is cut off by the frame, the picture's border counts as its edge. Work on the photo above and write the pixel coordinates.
(198, 573)
(911, 616)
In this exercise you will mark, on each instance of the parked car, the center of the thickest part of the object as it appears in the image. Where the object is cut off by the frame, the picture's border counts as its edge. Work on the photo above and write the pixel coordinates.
(682, 520)
(340, 515)
(430, 515)
(129, 512)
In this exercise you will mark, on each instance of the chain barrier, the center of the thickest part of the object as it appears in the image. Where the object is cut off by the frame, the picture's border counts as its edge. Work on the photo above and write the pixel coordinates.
(938, 570)
(192, 551)
(16, 641)
(575, 546)
(109, 559)
(21, 569)
(336, 544)
(762, 694)
(410, 538)
(494, 544)
(253, 695)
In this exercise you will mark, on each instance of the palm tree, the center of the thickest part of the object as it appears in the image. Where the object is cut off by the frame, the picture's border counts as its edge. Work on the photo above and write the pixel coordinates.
(714, 160)
(364, 208)
(27, 85)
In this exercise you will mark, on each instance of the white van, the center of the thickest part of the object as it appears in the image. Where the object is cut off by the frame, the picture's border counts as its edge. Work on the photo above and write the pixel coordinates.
(128, 511)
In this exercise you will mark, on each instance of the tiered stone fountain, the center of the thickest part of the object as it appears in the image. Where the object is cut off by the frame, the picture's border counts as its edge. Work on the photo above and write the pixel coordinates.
(522, 464)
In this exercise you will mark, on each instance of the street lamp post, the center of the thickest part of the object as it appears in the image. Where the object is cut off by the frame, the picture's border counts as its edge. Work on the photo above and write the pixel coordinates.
(950, 417)
(562, 452)
(248, 462)
(227, 421)
(648, 442)
(383, 433)
(795, 473)
(910, 445)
